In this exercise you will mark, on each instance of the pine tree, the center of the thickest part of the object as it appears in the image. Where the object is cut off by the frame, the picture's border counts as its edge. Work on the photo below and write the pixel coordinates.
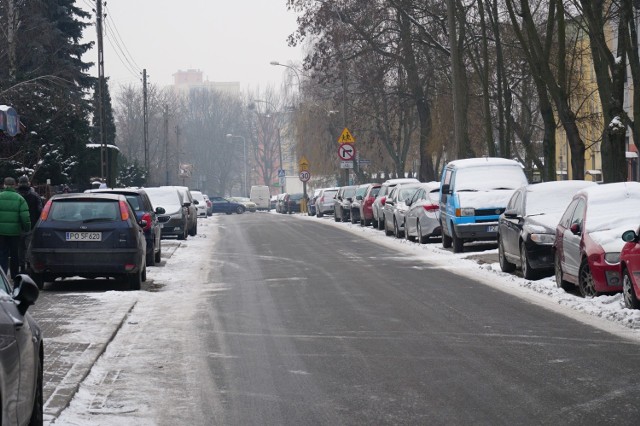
(50, 88)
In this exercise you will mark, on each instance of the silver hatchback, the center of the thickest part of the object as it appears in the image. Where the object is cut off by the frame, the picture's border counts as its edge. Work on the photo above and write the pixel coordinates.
(324, 202)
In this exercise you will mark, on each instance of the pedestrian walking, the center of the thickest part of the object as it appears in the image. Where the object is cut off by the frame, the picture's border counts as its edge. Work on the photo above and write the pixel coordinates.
(35, 208)
(14, 219)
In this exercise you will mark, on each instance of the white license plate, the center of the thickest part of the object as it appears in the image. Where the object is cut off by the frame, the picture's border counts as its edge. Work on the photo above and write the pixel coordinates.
(84, 236)
(492, 228)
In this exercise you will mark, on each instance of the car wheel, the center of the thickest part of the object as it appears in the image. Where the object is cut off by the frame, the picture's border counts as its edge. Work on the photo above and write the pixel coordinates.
(628, 293)
(143, 277)
(396, 229)
(421, 239)
(158, 254)
(406, 232)
(319, 214)
(134, 280)
(194, 230)
(586, 284)
(353, 218)
(560, 282)
(151, 258)
(387, 231)
(505, 265)
(527, 272)
(446, 240)
(240, 210)
(458, 243)
(379, 224)
(37, 410)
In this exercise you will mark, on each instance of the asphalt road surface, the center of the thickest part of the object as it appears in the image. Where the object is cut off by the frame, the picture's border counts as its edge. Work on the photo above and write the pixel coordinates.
(318, 326)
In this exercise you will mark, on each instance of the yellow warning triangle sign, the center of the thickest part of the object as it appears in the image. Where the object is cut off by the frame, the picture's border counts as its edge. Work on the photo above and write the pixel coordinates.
(346, 137)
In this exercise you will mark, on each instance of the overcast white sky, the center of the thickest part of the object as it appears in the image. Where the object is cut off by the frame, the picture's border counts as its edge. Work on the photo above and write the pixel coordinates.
(227, 40)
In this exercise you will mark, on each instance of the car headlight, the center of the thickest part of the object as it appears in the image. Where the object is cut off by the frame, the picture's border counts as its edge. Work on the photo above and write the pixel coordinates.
(612, 258)
(543, 239)
(467, 211)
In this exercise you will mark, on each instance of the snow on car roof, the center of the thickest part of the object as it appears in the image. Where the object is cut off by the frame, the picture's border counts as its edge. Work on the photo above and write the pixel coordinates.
(478, 162)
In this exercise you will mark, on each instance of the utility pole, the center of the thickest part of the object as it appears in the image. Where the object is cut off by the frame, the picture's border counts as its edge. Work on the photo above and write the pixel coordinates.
(146, 124)
(12, 19)
(178, 151)
(104, 173)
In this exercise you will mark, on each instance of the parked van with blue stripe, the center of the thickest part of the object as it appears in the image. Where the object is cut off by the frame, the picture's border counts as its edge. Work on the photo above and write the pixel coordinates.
(473, 194)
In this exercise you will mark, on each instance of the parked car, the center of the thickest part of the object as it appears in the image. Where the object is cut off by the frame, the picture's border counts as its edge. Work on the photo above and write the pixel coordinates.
(209, 204)
(273, 202)
(589, 237)
(175, 219)
(324, 202)
(473, 194)
(89, 235)
(311, 205)
(280, 200)
(378, 203)
(249, 205)
(342, 203)
(200, 202)
(356, 202)
(21, 354)
(422, 220)
(630, 268)
(192, 209)
(260, 195)
(526, 229)
(143, 208)
(294, 202)
(395, 208)
(225, 205)
(366, 204)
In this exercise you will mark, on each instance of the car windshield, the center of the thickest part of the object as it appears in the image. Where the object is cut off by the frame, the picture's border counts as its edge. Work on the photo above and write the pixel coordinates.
(552, 202)
(85, 211)
(197, 196)
(296, 196)
(489, 178)
(166, 198)
(348, 192)
(374, 192)
(329, 194)
(406, 193)
(613, 214)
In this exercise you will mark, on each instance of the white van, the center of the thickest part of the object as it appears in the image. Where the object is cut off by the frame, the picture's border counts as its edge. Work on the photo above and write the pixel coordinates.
(261, 196)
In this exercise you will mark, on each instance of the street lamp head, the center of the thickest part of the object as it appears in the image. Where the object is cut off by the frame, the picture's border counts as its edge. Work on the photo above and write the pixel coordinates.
(274, 63)
(229, 135)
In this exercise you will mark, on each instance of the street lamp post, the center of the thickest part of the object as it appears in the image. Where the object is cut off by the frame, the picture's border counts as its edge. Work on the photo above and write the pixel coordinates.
(276, 63)
(244, 154)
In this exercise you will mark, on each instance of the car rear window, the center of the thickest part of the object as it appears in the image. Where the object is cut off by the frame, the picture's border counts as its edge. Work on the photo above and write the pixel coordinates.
(329, 194)
(168, 199)
(73, 211)
(134, 202)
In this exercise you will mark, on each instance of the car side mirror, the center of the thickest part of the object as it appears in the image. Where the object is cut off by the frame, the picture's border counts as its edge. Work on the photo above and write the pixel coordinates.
(359, 197)
(143, 223)
(160, 210)
(25, 291)
(510, 214)
(187, 204)
(195, 202)
(628, 236)
(349, 199)
(446, 189)
(575, 229)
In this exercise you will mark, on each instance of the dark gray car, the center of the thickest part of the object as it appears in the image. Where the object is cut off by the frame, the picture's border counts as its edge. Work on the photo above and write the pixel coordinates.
(175, 220)
(21, 353)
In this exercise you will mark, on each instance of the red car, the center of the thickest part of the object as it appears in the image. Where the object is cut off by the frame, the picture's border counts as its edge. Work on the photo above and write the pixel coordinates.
(630, 268)
(366, 204)
(589, 237)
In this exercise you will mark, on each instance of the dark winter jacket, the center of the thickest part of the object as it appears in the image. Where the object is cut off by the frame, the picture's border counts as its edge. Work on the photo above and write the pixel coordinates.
(14, 213)
(33, 201)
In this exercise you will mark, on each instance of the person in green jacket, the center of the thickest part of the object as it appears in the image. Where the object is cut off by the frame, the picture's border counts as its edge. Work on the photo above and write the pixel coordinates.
(14, 219)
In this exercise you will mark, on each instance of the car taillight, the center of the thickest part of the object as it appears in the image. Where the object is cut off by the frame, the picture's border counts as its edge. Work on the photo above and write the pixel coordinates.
(383, 200)
(431, 207)
(124, 212)
(322, 200)
(147, 217)
(45, 211)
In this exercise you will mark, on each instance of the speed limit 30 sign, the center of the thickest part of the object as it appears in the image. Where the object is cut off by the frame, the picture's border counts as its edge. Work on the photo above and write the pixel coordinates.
(304, 176)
